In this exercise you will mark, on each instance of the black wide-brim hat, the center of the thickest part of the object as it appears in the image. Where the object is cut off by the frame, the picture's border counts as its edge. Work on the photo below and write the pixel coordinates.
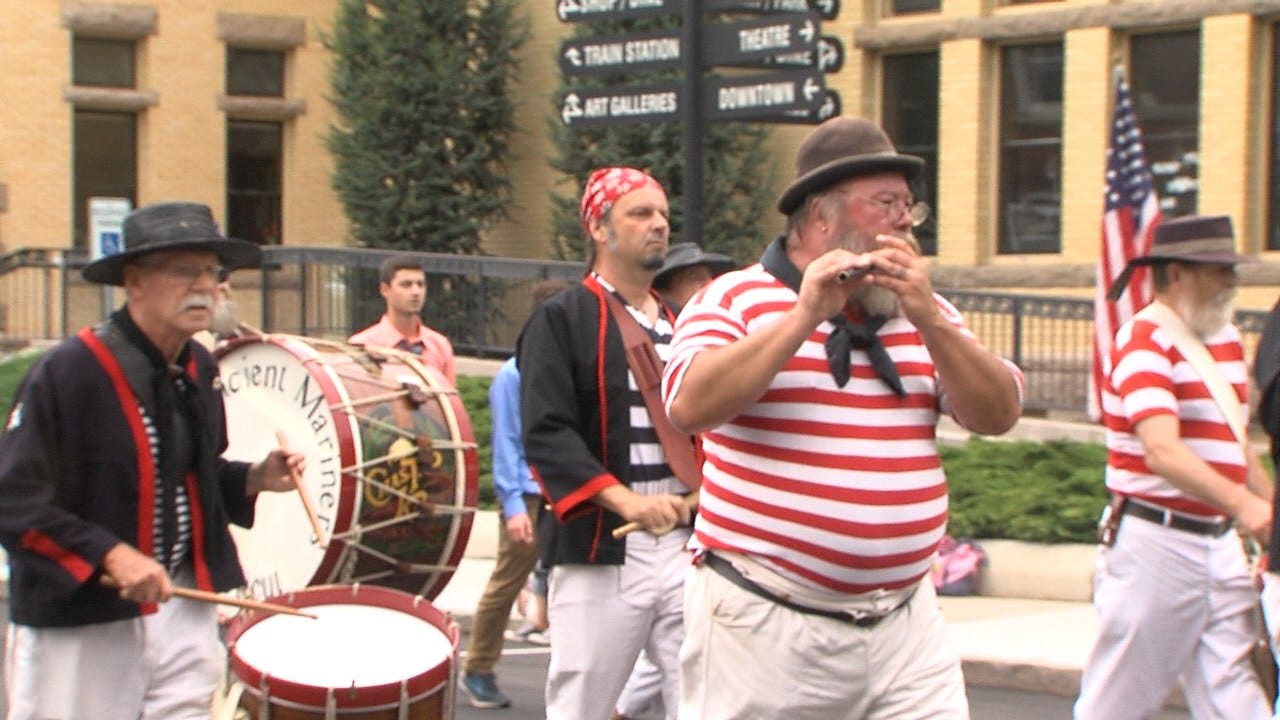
(171, 226)
(1207, 239)
(841, 148)
(687, 254)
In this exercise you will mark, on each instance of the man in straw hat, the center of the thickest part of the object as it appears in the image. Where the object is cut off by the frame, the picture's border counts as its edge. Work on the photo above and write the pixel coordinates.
(816, 379)
(1172, 586)
(110, 474)
(589, 361)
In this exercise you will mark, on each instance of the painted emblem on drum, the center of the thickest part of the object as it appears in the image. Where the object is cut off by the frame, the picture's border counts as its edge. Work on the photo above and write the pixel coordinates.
(400, 479)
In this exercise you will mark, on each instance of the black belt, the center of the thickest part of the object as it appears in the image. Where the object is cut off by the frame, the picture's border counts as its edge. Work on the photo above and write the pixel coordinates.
(726, 570)
(1170, 519)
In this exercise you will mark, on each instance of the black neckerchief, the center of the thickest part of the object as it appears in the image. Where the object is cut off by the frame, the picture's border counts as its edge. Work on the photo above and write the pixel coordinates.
(178, 417)
(847, 335)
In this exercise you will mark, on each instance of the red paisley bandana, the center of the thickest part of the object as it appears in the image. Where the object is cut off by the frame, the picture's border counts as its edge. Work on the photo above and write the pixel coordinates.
(605, 186)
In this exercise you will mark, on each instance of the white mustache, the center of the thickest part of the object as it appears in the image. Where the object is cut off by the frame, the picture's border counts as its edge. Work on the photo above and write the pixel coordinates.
(202, 301)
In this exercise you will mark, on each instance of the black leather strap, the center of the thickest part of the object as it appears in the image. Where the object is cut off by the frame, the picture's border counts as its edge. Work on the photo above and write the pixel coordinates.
(726, 570)
(1169, 518)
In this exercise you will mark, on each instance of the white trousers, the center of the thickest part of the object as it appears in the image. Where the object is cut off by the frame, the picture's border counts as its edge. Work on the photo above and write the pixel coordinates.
(163, 666)
(603, 615)
(748, 657)
(1171, 604)
(641, 699)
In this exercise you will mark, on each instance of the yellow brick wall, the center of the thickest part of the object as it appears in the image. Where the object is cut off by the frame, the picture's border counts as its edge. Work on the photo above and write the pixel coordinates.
(181, 139)
(35, 126)
(1086, 113)
(1226, 113)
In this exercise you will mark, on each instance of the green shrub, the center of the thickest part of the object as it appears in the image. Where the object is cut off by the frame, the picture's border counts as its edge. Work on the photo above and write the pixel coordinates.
(1041, 492)
(12, 370)
(474, 392)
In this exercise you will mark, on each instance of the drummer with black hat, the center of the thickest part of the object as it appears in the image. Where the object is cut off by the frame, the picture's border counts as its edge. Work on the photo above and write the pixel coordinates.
(114, 490)
(817, 378)
(1173, 590)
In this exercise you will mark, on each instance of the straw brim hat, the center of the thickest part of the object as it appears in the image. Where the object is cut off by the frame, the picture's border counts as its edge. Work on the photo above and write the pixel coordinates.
(166, 227)
(841, 148)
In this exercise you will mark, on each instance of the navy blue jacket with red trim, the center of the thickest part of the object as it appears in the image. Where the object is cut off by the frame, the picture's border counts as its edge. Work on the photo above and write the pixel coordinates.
(576, 414)
(75, 478)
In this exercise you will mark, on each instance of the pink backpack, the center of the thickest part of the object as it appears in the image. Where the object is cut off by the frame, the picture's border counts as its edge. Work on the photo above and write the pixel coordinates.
(955, 570)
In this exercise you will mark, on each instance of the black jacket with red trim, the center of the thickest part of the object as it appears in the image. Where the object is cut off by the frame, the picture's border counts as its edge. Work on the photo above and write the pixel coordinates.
(74, 464)
(576, 415)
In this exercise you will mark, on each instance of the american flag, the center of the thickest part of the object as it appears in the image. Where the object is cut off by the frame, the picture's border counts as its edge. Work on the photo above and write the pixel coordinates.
(1131, 215)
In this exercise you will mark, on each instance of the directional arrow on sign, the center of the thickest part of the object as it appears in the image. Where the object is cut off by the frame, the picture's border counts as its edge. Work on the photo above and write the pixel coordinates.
(585, 10)
(768, 94)
(636, 51)
(828, 9)
(733, 42)
(827, 57)
(617, 105)
(828, 108)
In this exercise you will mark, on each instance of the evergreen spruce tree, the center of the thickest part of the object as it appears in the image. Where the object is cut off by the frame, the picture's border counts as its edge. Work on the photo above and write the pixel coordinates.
(420, 144)
(738, 217)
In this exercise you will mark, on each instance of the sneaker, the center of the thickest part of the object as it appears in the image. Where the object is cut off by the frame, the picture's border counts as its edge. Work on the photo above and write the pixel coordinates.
(528, 632)
(482, 690)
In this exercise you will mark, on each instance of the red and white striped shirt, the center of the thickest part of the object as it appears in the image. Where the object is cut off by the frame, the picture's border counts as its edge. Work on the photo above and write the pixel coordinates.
(1150, 377)
(837, 489)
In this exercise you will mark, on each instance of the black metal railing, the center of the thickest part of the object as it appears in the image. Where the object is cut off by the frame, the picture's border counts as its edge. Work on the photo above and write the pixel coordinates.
(481, 302)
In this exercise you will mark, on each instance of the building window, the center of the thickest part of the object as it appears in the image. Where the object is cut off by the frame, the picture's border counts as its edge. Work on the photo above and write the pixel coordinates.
(103, 63)
(1273, 224)
(254, 170)
(1165, 72)
(910, 116)
(1031, 148)
(255, 72)
(106, 163)
(906, 7)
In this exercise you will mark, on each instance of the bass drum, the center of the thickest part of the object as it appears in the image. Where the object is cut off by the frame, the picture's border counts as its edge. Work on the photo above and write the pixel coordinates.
(391, 464)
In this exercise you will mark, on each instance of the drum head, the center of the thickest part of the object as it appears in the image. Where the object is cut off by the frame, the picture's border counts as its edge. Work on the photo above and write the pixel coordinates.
(391, 465)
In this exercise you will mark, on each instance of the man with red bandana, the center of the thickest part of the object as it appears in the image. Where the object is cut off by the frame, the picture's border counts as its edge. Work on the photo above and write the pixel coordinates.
(593, 448)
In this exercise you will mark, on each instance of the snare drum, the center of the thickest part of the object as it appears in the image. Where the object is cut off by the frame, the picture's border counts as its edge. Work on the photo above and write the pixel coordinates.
(391, 464)
(371, 653)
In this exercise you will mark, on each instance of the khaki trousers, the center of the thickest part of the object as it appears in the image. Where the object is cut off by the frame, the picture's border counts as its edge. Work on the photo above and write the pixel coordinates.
(510, 572)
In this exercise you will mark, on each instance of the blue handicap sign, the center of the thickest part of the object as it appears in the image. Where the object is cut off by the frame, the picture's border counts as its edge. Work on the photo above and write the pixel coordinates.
(110, 243)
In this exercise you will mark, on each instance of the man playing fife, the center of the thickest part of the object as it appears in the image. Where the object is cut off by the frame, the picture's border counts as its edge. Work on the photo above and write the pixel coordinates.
(1172, 585)
(593, 447)
(823, 497)
(403, 285)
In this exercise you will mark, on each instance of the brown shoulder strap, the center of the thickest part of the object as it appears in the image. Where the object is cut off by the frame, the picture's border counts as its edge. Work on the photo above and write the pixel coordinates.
(647, 367)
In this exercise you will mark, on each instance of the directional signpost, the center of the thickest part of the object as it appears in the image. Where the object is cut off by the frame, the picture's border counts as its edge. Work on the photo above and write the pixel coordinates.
(828, 9)
(586, 10)
(763, 96)
(782, 36)
(612, 106)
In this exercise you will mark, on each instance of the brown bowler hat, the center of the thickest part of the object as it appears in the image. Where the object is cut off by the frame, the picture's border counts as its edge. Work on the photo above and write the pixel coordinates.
(841, 148)
(1205, 239)
(171, 226)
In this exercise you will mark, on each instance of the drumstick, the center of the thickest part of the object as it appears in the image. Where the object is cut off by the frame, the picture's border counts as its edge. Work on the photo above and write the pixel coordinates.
(302, 493)
(690, 501)
(209, 597)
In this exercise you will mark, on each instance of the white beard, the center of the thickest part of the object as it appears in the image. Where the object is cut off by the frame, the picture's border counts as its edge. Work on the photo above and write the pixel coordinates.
(1206, 319)
(876, 300)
